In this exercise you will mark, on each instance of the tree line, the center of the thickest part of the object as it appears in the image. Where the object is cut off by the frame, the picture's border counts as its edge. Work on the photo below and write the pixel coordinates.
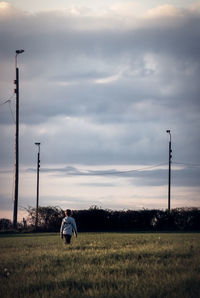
(96, 219)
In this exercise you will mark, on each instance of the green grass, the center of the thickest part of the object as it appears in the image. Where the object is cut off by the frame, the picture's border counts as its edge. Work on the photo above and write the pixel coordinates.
(100, 265)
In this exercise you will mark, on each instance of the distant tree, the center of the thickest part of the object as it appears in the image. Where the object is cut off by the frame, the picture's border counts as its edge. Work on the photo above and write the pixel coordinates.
(5, 224)
(93, 219)
(186, 218)
(49, 218)
(97, 219)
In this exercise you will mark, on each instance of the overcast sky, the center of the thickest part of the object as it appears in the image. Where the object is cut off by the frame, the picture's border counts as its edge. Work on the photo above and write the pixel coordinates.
(100, 83)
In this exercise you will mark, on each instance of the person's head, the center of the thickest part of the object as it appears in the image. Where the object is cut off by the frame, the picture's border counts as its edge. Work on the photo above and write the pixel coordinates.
(68, 212)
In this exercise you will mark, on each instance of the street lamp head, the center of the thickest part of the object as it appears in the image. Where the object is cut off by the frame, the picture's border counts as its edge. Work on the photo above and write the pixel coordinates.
(19, 51)
(168, 131)
(38, 144)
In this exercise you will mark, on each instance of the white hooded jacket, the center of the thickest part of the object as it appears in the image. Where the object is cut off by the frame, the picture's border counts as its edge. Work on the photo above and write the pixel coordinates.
(68, 226)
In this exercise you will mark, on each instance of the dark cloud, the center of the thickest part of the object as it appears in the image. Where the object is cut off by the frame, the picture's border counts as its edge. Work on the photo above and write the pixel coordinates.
(95, 91)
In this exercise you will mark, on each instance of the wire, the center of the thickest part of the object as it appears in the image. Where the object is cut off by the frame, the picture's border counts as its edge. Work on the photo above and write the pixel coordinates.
(99, 173)
(9, 105)
(11, 112)
(187, 164)
(4, 101)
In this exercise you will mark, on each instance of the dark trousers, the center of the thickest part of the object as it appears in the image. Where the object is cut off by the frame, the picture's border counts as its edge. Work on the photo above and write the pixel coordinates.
(67, 239)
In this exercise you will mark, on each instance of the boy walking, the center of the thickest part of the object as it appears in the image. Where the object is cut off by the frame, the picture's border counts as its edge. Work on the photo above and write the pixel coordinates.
(68, 226)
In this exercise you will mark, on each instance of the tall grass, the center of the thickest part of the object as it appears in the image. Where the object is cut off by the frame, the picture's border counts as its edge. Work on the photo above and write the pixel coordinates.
(100, 265)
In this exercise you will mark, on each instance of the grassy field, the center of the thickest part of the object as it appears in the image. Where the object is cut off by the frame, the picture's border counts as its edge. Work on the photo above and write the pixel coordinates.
(100, 265)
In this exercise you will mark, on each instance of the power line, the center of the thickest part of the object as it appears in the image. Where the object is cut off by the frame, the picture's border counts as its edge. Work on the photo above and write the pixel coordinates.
(11, 112)
(4, 101)
(187, 164)
(9, 105)
(104, 173)
(101, 173)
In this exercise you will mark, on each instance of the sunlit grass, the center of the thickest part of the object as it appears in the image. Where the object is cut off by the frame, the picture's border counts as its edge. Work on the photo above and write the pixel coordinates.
(100, 265)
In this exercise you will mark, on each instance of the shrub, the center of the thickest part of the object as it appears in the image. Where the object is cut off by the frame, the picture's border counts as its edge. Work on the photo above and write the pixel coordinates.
(97, 219)
(5, 224)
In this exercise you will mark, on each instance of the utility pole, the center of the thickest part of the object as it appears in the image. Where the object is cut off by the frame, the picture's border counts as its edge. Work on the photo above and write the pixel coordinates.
(38, 171)
(169, 172)
(16, 82)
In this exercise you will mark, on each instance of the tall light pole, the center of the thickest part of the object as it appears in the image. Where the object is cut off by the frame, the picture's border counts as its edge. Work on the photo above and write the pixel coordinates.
(38, 171)
(169, 173)
(16, 82)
